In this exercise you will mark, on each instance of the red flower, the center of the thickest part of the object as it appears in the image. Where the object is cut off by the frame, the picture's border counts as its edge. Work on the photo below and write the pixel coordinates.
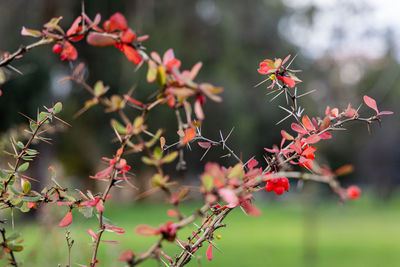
(278, 185)
(276, 71)
(353, 192)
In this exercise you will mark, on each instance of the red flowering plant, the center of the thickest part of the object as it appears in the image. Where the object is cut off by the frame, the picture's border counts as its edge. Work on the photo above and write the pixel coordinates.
(222, 188)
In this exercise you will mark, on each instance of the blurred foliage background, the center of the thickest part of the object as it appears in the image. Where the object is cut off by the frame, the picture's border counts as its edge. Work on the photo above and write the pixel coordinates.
(345, 48)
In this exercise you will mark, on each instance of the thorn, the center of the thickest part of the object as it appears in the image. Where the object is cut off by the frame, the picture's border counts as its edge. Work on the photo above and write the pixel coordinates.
(258, 84)
(205, 153)
(282, 120)
(290, 63)
(309, 92)
(26, 116)
(57, 118)
(273, 91)
(229, 134)
(222, 140)
(277, 95)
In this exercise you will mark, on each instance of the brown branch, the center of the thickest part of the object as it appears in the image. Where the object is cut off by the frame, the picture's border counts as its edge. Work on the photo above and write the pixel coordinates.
(4, 244)
(23, 49)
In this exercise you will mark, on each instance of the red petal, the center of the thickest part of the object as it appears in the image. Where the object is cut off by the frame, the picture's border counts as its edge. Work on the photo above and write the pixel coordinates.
(209, 252)
(289, 81)
(69, 52)
(98, 39)
(66, 220)
(371, 103)
(74, 27)
(132, 54)
(128, 36)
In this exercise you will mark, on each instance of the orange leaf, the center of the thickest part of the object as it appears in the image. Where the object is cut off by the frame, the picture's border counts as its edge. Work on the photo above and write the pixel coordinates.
(189, 135)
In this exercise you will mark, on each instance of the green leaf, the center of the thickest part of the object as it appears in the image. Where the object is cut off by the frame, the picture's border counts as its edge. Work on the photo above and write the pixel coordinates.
(161, 76)
(15, 191)
(154, 139)
(13, 236)
(152, 72)
(148, 161)
(170, 157)
(118, 126)
(31, 152)
(24, 207)
(43, 115)
(208, 182)
(57, 108)
(33, 125)
(20, 144)
(15, 248)
(26, 186)
(157, 153)
(3, 175)
(100, 89)
(23, 167)
(31, 199)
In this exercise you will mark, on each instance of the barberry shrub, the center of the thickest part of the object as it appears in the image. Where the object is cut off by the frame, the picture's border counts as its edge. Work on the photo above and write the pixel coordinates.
(223, 188)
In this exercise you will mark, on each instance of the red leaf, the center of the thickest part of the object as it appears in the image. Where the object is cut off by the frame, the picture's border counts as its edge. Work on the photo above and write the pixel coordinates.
(146, 230)
(66, 220)
(127, 255)
(91, 233)
(286, 135)
(252, 163)
(371, 103)
(289, 81)
(29, 32)
(209, 252)
(162, 142)
(385, 113)
(133, 101)
(132, 54)
(104, 174)
(172, 213)
(307, 123)
(312, 139)
(166, 256)
(168, 55)
(198, 110)
(99, 205)
(110, 242)
(117, 230)
(297, 128)
(250, 208)
(325, 135)
(229, 197)
(189, 135)
(204, 145)
(116, 22)
(98, 39)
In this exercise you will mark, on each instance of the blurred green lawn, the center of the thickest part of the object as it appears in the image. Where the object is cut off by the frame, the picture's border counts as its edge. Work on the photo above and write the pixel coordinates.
(364, 232)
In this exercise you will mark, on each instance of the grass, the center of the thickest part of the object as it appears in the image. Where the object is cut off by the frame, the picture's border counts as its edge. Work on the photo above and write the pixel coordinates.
(361, 233)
